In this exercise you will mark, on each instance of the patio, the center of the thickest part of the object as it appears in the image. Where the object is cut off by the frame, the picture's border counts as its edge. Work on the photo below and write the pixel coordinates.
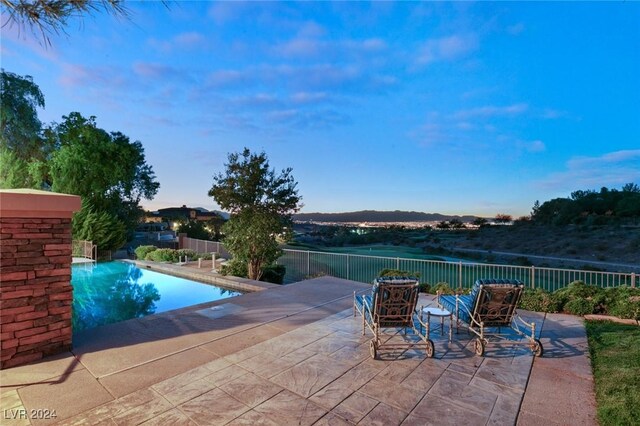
(296, 355)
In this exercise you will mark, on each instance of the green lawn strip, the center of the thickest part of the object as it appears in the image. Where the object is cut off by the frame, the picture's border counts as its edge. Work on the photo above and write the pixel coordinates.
(615, 358)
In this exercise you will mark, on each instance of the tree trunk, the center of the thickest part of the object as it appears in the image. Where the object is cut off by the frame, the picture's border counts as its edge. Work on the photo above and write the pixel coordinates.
(254, 270)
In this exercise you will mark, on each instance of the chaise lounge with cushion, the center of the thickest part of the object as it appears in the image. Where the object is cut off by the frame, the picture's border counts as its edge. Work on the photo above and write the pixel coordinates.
(490, 306)
(391, 304)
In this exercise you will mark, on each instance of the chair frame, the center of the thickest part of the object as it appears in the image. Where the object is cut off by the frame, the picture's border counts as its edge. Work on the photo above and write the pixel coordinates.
(495, 307)
(393, 306)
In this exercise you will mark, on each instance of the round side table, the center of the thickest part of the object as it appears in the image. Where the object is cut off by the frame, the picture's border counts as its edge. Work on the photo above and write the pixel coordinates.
(432, 311)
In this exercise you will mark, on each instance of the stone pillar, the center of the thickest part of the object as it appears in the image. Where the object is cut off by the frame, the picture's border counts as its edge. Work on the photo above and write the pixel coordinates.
(35, 274)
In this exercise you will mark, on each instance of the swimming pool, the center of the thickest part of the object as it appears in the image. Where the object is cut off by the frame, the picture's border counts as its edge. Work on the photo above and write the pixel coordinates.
(111, 292)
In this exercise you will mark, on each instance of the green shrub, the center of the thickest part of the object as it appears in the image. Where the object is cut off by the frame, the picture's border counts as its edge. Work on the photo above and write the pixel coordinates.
(182, 253)
(442, 288)
(623, 302)
(205, 256)
(424, 288)
(388, 272)
(235, 269)
(274, 274)
(579, 298)
(162, 255)
(567, 298)
(142, 251)
(539, 300)
(579, 307)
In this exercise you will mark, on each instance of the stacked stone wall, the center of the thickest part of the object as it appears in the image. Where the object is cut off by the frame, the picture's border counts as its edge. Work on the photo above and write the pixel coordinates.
(35, 288)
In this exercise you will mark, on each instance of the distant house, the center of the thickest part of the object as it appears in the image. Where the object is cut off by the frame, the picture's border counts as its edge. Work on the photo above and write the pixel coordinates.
(173, 214)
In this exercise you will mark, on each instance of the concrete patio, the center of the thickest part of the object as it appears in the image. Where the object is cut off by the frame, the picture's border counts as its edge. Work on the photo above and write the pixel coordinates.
(295, 355)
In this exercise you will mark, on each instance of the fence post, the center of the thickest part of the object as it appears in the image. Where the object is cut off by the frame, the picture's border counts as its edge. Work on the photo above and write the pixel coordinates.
(633, 280)
(460, 274)
(348, 257)
(533, 276)
(308, 263)
(397, 263)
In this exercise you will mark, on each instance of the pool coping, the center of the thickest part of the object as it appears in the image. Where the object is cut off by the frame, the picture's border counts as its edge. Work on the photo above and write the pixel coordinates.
(205, 276)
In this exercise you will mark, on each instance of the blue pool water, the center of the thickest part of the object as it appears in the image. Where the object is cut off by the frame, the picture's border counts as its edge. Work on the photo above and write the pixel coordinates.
(116, 291)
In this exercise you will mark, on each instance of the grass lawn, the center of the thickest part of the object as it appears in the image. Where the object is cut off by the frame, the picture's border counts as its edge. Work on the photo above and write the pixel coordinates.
(382, 250)
(615, 357)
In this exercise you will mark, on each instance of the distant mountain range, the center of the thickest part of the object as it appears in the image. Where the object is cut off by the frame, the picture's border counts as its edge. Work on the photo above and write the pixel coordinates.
(379, 216)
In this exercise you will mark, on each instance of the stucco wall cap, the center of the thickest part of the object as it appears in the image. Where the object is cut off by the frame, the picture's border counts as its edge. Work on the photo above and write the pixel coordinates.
(24, 203)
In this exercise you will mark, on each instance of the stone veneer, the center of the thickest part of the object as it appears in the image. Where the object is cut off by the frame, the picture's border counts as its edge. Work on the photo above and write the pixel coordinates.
(35, 274)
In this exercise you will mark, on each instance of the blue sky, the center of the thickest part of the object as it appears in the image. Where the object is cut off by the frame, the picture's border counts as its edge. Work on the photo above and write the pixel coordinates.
(456, 108)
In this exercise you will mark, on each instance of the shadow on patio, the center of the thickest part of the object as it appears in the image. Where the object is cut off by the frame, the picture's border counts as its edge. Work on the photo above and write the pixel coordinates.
(289, 355)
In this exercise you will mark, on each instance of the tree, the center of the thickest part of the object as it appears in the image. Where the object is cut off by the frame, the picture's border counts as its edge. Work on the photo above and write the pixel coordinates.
(215, 225)
(194, 229)
(50, 16)
(480, 222)
(261, 203)
(503, 218)
(16, 172)
(20, 127)
(443, 225)
(108, 171)
(456, 224)
(101, 227)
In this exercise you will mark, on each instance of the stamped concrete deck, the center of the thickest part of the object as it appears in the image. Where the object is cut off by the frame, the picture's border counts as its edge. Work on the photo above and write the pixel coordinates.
(296, 355)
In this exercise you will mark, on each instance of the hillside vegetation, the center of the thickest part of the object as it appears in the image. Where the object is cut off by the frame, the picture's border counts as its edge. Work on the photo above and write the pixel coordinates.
(379, 216)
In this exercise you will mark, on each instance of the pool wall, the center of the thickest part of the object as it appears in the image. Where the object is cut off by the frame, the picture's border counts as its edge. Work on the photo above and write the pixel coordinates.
(205, 275)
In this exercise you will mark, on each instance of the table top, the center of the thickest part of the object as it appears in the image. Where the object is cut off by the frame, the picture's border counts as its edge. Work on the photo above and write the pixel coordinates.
(436, 312)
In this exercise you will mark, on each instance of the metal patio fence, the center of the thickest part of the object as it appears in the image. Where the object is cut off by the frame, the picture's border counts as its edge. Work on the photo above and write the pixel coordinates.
(83, 248)
(203, 246)
(303, 264)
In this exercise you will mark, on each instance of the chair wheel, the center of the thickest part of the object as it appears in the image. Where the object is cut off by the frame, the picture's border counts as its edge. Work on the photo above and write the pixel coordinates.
(478, 346)
(430, 349)
(536, 348)
(373, 350)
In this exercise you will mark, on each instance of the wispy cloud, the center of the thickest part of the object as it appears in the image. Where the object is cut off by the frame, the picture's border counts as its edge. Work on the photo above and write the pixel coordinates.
(516, 29)
(183, 41)
(104, 77)
(298, 118)
(533, 146)
(446, 48)
(307, 78)
(224, 12)
(158, 71)
(551, 114)
(309, 97)
(305, 46)
(610, 169)
(489, 111)
(32, 41)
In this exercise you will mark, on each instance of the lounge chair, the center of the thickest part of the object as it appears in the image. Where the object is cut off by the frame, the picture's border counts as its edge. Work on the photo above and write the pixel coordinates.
(491, 305)
(391, 303)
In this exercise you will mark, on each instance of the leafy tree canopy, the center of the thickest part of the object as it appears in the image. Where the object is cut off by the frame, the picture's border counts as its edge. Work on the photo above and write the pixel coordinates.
(20, 127)
(104, 168)
(194, 229)
(261, 203)
(248, 183)
(589, 206)
(108, 171)
(101, 227)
